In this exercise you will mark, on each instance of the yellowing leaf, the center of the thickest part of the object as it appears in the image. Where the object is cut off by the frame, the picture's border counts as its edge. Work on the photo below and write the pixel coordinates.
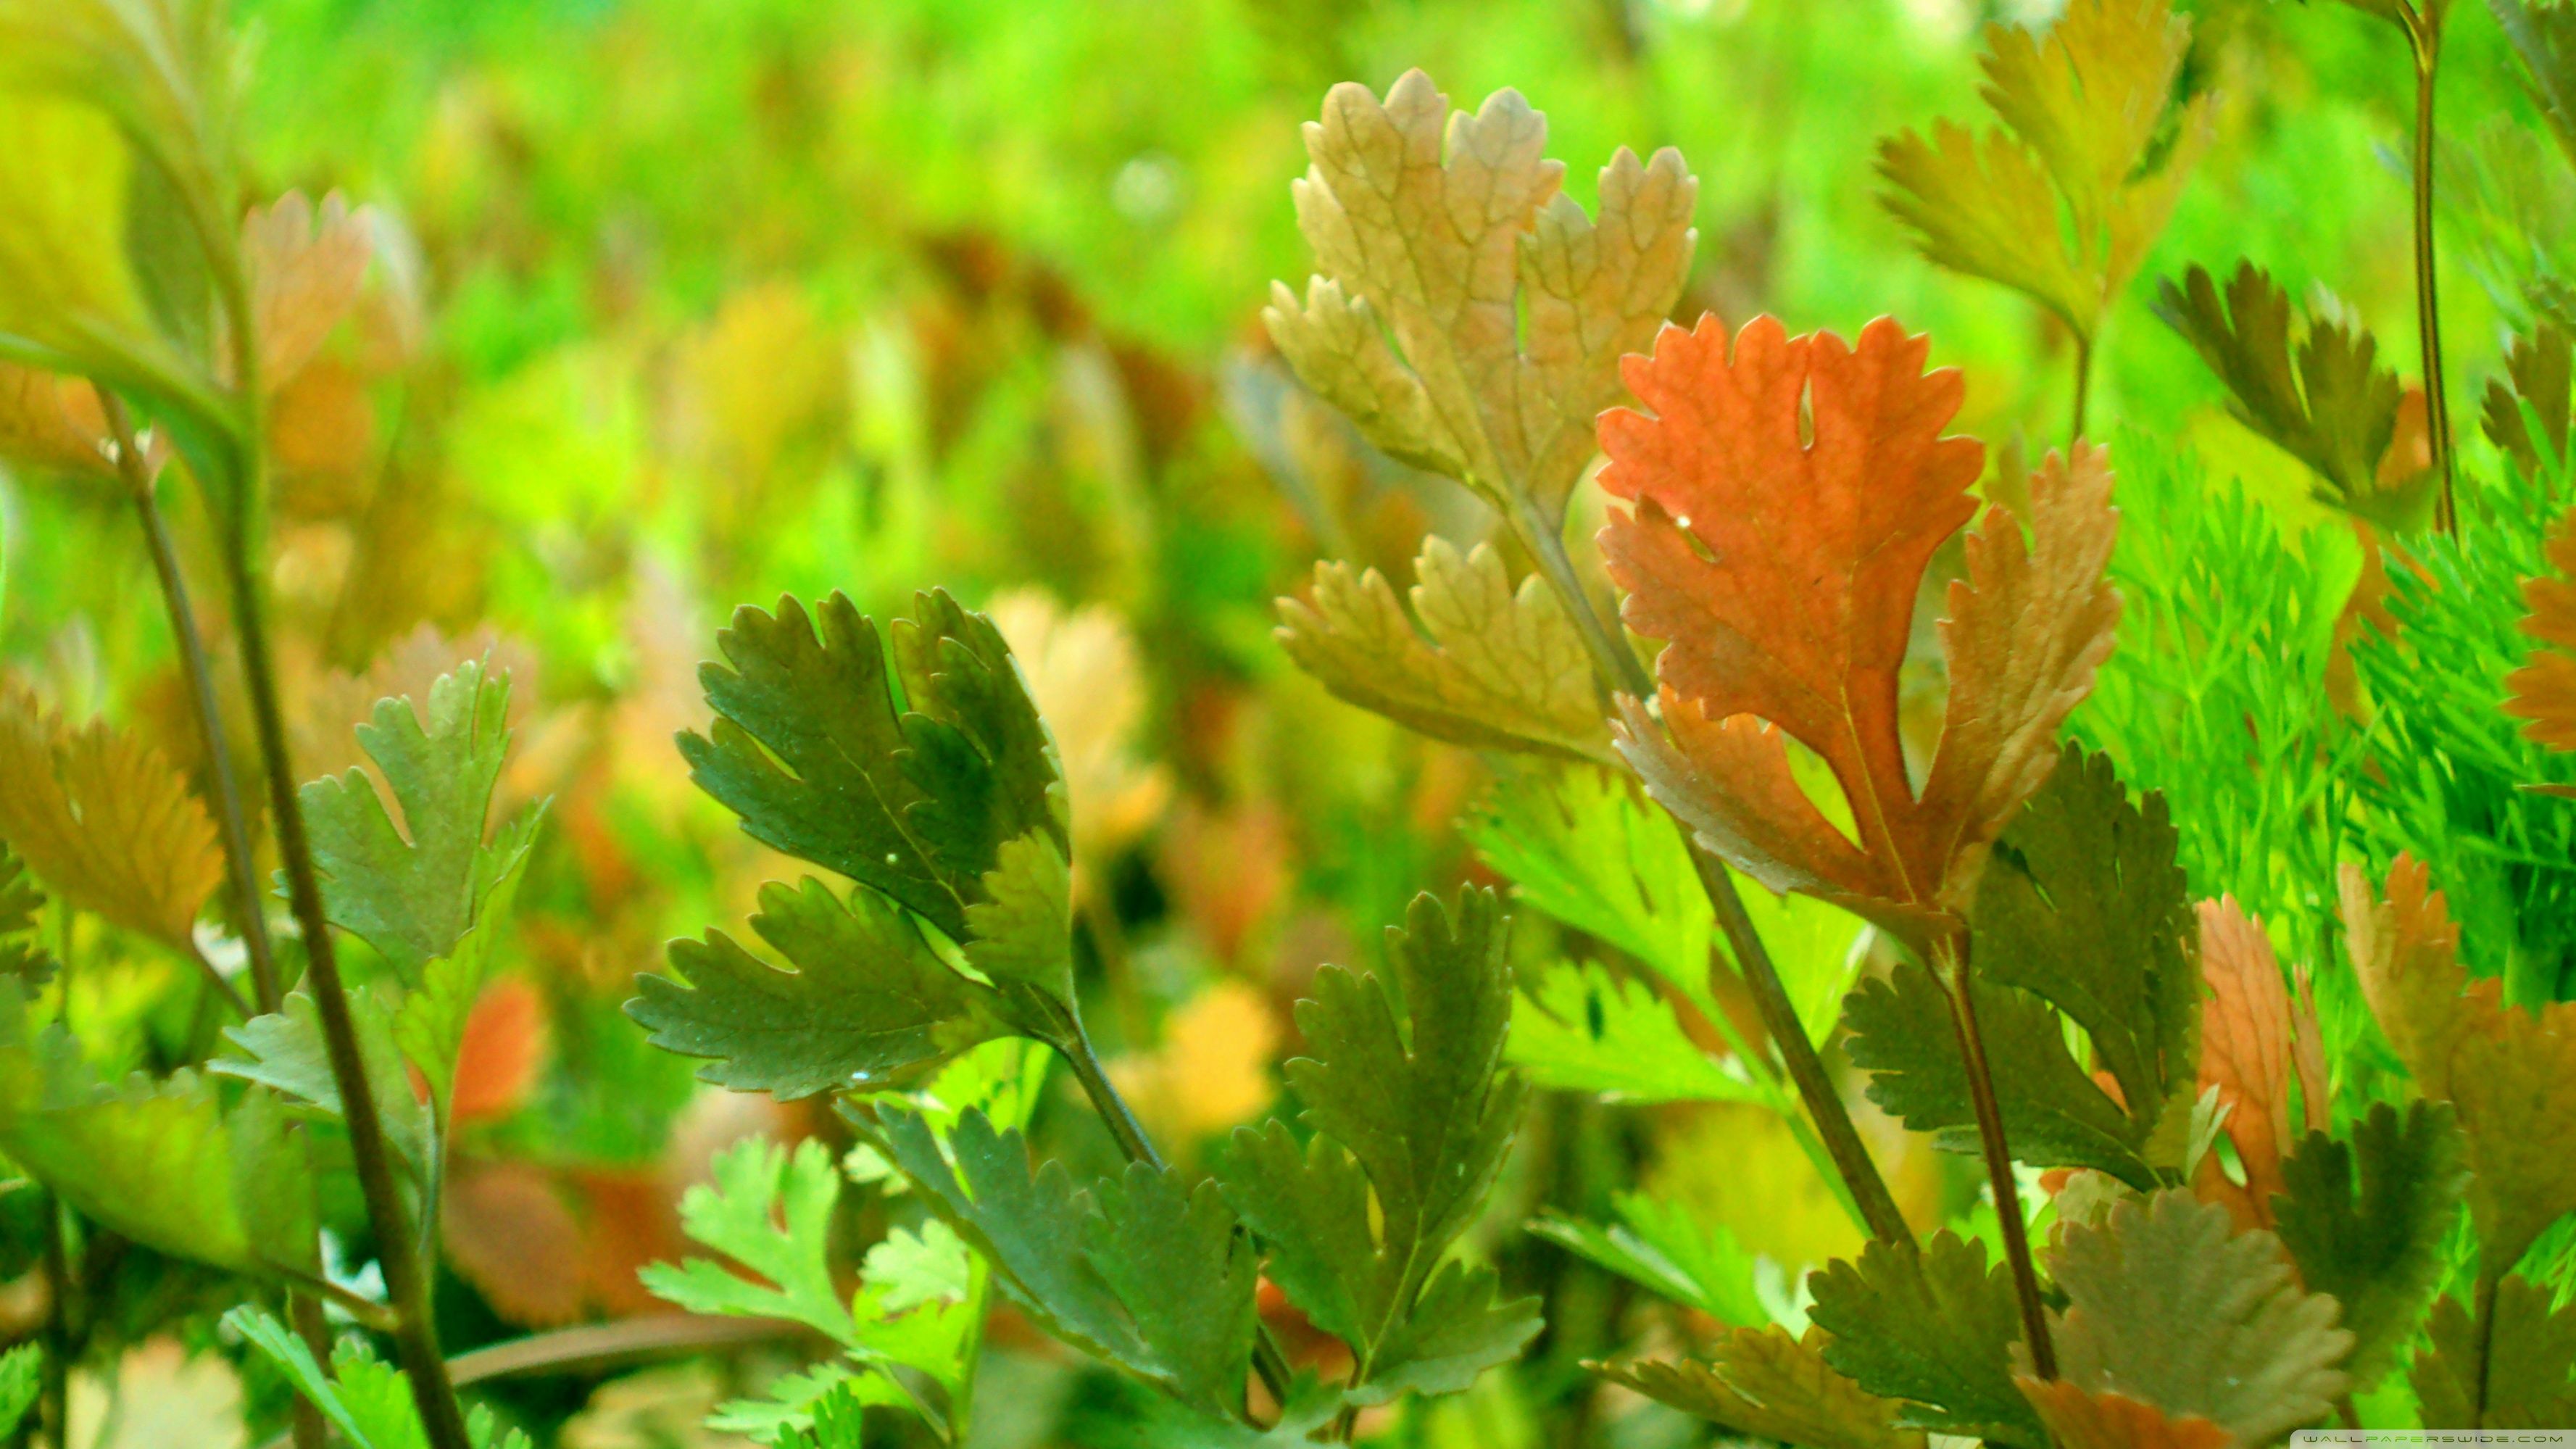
(63, 171)
(1465, 313)
(1787, 500)
(1212, 1070)
(1082, 670)
(1763, 1384)
(306, 267)
(104, 820)
(51, 424)
(2505, 1069)
(2543, 690)
(2062, 205)
(1487, 665)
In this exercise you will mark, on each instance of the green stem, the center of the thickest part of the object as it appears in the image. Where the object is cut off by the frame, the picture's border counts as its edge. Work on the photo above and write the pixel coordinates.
(55, 1391)
(406, 1266)
(1951, 964)
(2083, 389)
(1268, 1359)
(230, 818)
(2426, 38)
(2486, 1315)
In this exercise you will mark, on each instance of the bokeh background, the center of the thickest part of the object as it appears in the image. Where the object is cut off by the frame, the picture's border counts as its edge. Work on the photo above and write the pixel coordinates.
(681, 305)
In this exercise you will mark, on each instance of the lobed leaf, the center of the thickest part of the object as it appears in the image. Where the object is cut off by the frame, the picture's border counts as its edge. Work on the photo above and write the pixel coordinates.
(1932, 1326)
(2107, 1419)
(1662, 1247)
(1486, 665)
(1582, 1029)
(2543, 691)
(1764, 1384)
(2540, 374)
(2366, 1222)
(2515, 1374)
(106, 821)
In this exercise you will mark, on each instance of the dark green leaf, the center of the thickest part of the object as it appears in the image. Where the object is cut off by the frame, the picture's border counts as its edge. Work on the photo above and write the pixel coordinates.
(2366, 1222)
(1933, 1326)
(2524, 1385)
(1763, 1384)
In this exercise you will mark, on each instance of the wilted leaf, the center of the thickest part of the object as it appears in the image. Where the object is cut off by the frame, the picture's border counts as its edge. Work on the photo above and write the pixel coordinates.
(2167, 1305)
(2503, 1068)
(1141, 1271)
(868, 997)
(2514, 1375)
(2366, 1222)
(1413, 1116)
(1933, 1326)
(2336, 411)
(1787, 502)
(2063, 205)
(1488, 665)
(1763, 1384)
(1466, 314)
(104, 820)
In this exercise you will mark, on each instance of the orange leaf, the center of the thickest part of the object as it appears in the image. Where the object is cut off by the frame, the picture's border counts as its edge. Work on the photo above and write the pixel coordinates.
(2543, 690)
(1787, 500)
(497, 1060)
(306, 268)
(2245, 1054)
(2077, 1419)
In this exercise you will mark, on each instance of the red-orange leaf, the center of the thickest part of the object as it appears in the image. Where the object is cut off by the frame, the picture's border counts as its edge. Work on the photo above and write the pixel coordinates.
(1787, 499)
(2245, 1054)
(2112, 1420)
(2543, 690)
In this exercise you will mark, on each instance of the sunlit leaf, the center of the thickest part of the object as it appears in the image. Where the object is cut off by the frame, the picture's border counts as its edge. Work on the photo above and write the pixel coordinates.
(101, 817)
(1764, 1384)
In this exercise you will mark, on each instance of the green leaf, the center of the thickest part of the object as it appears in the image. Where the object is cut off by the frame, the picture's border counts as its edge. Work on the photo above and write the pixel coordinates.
(868, 998)
(22, 1374)
(907, 776)
(287, 1052)
(1023, 932)
(2168, 1305)
(1658, 1246)
(1579, 845)
(772, 1213)
(23, 956)
(1413, 1117)
(413, 892)
(2366, 1222)
(2526, 1383)
(162, 1162)
(1759, 1383)
(1933, 1326)
(1141, 1271)
(430, 1025)
(2336, 411)
(2544, 37)
(2053, 1113)
(363, 1397)
(2084, 907)
(1581, 1029)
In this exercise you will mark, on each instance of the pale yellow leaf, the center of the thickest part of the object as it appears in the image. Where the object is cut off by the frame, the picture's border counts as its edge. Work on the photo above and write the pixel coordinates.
(105, 820)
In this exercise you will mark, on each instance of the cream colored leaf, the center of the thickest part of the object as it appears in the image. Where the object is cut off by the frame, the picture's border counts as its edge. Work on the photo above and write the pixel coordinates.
(1506, 308)
(306, 267)
(1474, 661)
(1083, 672)
(105, 820)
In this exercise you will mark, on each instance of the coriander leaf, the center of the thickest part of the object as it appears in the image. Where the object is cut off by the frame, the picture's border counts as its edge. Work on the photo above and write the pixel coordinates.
(1659, 1246)
(905, 765)
(868, 997)
(2167, 1304)
(2082, 1419)
(286, 1052)
(1507, 308)
(1163, 1289)
(106, 821)
(771, 1212)
(50, 424)
(23, 956)
(2247, 1025)
(2543, 691)
(1763, 1384)
(1486, 664)
(1579, 844)
(2501, 1067)
(2518, 1380)
(21, 1379)
(2085, 908)
(2054, 1114)
(1787, 498)
(430, 1025)
(2336, 410)
(306, 266)
(2366, 1222)
(2540, 373)
(365, 1398)
(1581, 1029)
(413, 892)
(162, 1162)
(2544, 37)
(1933, 1326)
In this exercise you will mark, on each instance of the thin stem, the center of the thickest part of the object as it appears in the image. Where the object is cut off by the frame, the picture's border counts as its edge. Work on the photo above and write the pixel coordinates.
(2486, 1316)
(1951, 963)
(2426, 37)
(55, 1389)
(615, 1345)
(1268, 1359)
(406, 1267)
(215, 982)
(1620, 671)
(231, 819)
(2083, 389)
